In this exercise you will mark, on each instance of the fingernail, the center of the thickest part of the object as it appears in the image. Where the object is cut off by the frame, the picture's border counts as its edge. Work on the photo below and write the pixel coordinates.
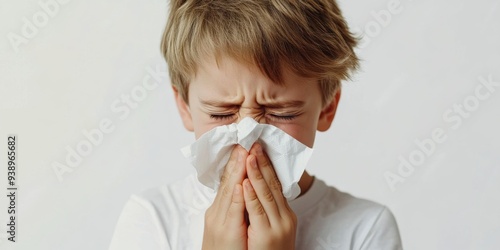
(253, 162)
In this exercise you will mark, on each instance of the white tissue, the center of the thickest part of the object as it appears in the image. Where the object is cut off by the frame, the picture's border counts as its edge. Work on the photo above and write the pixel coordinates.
(210, 153)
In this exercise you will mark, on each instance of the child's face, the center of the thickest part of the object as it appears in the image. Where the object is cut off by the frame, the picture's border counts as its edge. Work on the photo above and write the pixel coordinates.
(226, 93)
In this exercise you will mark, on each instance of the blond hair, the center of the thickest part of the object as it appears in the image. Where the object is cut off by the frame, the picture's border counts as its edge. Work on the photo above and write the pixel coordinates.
(310, 37)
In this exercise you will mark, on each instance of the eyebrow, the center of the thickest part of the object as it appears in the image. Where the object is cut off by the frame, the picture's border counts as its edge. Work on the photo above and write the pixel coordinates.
(218, 103)
(285, 104)
(271, 104)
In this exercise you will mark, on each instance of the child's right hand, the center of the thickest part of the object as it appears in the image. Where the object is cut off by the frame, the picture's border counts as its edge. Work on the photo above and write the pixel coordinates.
(225, 224)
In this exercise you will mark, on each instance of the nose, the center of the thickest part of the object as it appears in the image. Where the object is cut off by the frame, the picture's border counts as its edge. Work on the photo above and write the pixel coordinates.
(257, 114)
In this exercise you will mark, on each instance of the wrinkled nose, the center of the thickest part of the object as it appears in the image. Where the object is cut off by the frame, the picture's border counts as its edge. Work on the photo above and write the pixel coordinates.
(257, 114)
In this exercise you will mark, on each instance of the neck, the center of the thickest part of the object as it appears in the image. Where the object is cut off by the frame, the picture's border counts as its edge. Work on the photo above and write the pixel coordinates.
(305, 183)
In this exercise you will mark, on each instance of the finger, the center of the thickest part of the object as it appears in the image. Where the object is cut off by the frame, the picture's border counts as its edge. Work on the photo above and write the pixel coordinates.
(225, 175)
(233, 158)
(264, 194)
(256, 214)
(236, 213)
(236, 174)
(269, 174)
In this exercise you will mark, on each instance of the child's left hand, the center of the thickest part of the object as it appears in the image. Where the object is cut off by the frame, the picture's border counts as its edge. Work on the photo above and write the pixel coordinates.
(272, 222)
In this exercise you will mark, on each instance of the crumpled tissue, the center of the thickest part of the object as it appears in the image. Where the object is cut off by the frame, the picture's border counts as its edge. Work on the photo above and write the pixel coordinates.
(210, 153)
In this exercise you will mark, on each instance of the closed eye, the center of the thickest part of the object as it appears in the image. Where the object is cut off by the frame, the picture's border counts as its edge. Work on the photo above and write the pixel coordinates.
(282, 117)
(221, 116)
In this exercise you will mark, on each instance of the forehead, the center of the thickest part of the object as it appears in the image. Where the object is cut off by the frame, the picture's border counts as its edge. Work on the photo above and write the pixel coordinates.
(226, 74)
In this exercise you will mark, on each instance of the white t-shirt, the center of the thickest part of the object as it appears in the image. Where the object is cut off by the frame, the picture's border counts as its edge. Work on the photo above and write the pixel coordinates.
(172, 217)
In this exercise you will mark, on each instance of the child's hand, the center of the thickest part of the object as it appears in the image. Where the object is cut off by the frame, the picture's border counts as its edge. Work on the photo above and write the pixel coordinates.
(225, 225)
(272, 222)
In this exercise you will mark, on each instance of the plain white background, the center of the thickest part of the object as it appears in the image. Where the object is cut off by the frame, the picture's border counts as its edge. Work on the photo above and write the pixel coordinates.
(421, 59)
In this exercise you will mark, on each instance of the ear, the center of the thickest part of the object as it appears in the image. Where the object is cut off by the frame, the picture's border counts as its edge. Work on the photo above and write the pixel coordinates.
(328, 113)
(184, 111)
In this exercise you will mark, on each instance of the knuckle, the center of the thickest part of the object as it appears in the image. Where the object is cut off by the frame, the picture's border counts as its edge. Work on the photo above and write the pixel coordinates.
(268, 164)
(258, 175)
(226, 192)
(259, 210)
(276, 184)
(252, 196)
(268, 196)
(236, 201)
(224, 178)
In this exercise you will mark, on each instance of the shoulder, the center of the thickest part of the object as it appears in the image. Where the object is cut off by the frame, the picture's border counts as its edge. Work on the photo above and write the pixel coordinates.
(168, 194)
(178, 199)
(329, 201)
(149, 218)
(366, 211)
(375, 222)
(344, 220)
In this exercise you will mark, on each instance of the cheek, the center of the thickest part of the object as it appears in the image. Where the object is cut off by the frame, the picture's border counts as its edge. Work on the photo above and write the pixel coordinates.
(202, 128)
(304, 133)
(200, 125)
(304, 128)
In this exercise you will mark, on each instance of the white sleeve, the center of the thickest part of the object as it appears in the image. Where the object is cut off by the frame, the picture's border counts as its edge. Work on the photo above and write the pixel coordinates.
(139, 228)
(383, 234)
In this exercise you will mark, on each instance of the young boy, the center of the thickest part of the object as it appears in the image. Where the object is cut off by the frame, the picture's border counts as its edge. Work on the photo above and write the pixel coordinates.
(279, 62)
